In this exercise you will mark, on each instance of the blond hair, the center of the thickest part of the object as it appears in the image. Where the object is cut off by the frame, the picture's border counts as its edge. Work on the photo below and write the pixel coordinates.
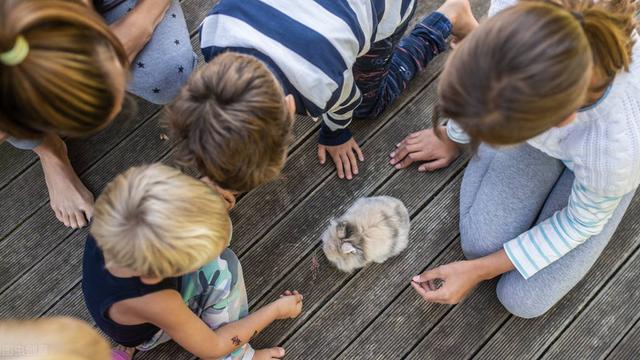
(529, 67)
(159, 222)
(64, 84)
(51, 338)
(231, 121)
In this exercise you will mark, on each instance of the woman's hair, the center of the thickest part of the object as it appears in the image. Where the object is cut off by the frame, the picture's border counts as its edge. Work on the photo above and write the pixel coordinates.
(64, 84)
(529, 67)
(159, 222)
(51, 339)
(231, 121)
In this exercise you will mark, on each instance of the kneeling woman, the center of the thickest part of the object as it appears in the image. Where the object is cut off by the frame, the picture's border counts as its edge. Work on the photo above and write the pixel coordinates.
(561, 83)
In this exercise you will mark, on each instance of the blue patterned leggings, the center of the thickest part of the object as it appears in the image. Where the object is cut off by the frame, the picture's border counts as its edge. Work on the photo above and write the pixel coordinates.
(385, 71)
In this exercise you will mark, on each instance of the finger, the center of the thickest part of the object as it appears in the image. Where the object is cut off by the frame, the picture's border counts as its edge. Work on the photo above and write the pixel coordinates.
(80, 220)
(338, 163)
(407, 161)
(434, 165)
(399, 154)
(359, 152)
(428, 275)
(277, 353)
(431, 296)
(322, 154)
(354, 162)
(347, 166)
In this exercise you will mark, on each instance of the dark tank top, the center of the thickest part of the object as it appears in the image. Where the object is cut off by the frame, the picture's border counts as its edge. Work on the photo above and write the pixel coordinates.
(103, 6)
(101, 290)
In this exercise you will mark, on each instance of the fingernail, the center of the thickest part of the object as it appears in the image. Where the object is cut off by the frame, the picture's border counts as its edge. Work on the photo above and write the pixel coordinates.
(356, 172)
(398, 144)
(398, 166)
(393, 154)
(416, 279)
(392, 161)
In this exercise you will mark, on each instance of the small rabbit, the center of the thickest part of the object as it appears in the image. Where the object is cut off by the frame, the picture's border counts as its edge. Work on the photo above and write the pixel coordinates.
(372, 230)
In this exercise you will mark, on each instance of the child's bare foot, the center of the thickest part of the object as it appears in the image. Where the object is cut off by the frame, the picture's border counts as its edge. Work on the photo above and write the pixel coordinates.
(269, 354)
(461, 17)
(70, 199)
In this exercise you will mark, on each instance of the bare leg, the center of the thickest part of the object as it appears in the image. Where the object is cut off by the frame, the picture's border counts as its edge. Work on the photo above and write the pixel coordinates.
(70, 199)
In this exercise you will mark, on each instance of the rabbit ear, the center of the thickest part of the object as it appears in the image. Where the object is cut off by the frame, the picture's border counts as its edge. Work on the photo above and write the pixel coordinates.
(348, 248)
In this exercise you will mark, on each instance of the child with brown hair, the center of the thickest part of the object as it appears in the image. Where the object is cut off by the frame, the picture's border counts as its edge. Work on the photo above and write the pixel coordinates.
(326, 59)
(564, 78)
(157, 267)
(57, 338)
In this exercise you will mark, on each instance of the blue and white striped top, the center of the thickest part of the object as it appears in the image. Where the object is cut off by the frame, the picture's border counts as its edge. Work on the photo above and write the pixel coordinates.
(310, 45)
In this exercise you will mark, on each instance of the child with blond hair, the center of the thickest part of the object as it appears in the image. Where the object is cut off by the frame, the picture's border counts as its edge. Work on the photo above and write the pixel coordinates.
(51, 339)
(157, 267)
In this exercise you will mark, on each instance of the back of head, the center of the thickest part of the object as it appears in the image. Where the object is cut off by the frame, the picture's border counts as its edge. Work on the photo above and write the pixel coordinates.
(529, 67)
(159, 222)
(231, 122)
(66, 83)
(51, 338)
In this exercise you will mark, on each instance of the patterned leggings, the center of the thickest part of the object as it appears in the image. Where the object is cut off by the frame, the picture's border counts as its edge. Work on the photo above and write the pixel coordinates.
(217, 294)
(385, 71)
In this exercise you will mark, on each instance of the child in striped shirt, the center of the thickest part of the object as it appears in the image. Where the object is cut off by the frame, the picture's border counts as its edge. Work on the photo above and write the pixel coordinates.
(562, 81)
(334, 60)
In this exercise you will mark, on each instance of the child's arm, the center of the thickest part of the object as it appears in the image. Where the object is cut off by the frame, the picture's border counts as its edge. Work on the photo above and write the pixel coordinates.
(167, 310)
(136, 28)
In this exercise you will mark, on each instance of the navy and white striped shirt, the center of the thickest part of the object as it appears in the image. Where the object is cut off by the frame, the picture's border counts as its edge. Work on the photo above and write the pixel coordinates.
(310, 45)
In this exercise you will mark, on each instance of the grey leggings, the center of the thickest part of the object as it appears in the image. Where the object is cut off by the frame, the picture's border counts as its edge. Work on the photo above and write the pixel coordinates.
(504, 193)
(161, 68)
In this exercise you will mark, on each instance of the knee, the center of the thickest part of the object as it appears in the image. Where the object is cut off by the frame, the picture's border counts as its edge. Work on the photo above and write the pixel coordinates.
(473, 238)
(521, 304)
(167, 79)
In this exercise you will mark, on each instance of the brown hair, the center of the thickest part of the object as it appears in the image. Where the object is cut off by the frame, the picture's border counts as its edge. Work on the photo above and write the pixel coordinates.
(527, 69)
(63, 84)
(231, 122)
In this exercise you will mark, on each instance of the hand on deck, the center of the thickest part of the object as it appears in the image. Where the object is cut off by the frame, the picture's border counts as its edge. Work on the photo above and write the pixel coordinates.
(343, 156)
(436, 152)
(447, 284)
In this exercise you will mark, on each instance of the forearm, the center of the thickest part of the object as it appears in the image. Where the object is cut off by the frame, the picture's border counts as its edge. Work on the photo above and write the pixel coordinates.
(236, 334)
(493, 265)
(3, 137)
(135, 29)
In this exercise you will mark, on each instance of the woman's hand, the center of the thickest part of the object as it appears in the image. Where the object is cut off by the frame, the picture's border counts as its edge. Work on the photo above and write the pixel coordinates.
(425, 145)
(447, 284)
(289, 305)
(451, 283)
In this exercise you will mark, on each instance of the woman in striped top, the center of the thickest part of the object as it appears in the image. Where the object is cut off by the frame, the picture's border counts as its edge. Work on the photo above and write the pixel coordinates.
(538, 214)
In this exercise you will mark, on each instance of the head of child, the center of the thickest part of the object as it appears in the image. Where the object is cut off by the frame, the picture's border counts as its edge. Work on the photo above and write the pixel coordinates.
(154, 222)
(52, 339)
(233, 122)
(62, 70)
(531, 67)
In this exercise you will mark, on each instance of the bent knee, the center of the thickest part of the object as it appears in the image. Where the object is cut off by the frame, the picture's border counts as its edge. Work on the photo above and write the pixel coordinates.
(475, 239)
(521, 304)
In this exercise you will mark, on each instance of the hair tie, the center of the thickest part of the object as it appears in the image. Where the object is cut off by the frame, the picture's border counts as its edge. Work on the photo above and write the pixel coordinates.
(16, 55)
(578, 16)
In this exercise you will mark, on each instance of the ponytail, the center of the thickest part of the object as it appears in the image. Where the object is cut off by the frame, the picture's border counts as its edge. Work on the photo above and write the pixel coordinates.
(609, 27)
(59, 74)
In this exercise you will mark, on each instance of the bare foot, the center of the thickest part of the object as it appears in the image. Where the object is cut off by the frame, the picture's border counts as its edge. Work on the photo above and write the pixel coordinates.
(70, 199)
(461, 17)
(269, 354)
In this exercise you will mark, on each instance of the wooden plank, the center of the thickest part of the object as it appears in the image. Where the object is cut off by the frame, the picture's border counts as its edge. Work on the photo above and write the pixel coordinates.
(606, 319)
(629, 347)
(535, 335)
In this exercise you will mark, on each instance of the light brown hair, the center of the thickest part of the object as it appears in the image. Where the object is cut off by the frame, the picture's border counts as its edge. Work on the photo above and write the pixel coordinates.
(158, 222)
(529, 67)
(51, 339)
(63, 85)
(232, 123)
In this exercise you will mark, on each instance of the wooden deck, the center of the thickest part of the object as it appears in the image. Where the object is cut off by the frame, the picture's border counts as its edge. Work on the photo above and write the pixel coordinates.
(371, 314)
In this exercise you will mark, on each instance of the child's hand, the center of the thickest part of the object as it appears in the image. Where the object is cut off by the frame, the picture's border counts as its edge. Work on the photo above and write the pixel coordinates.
(437, 152)
(344, 157)
(289, 305)
(447, 284)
